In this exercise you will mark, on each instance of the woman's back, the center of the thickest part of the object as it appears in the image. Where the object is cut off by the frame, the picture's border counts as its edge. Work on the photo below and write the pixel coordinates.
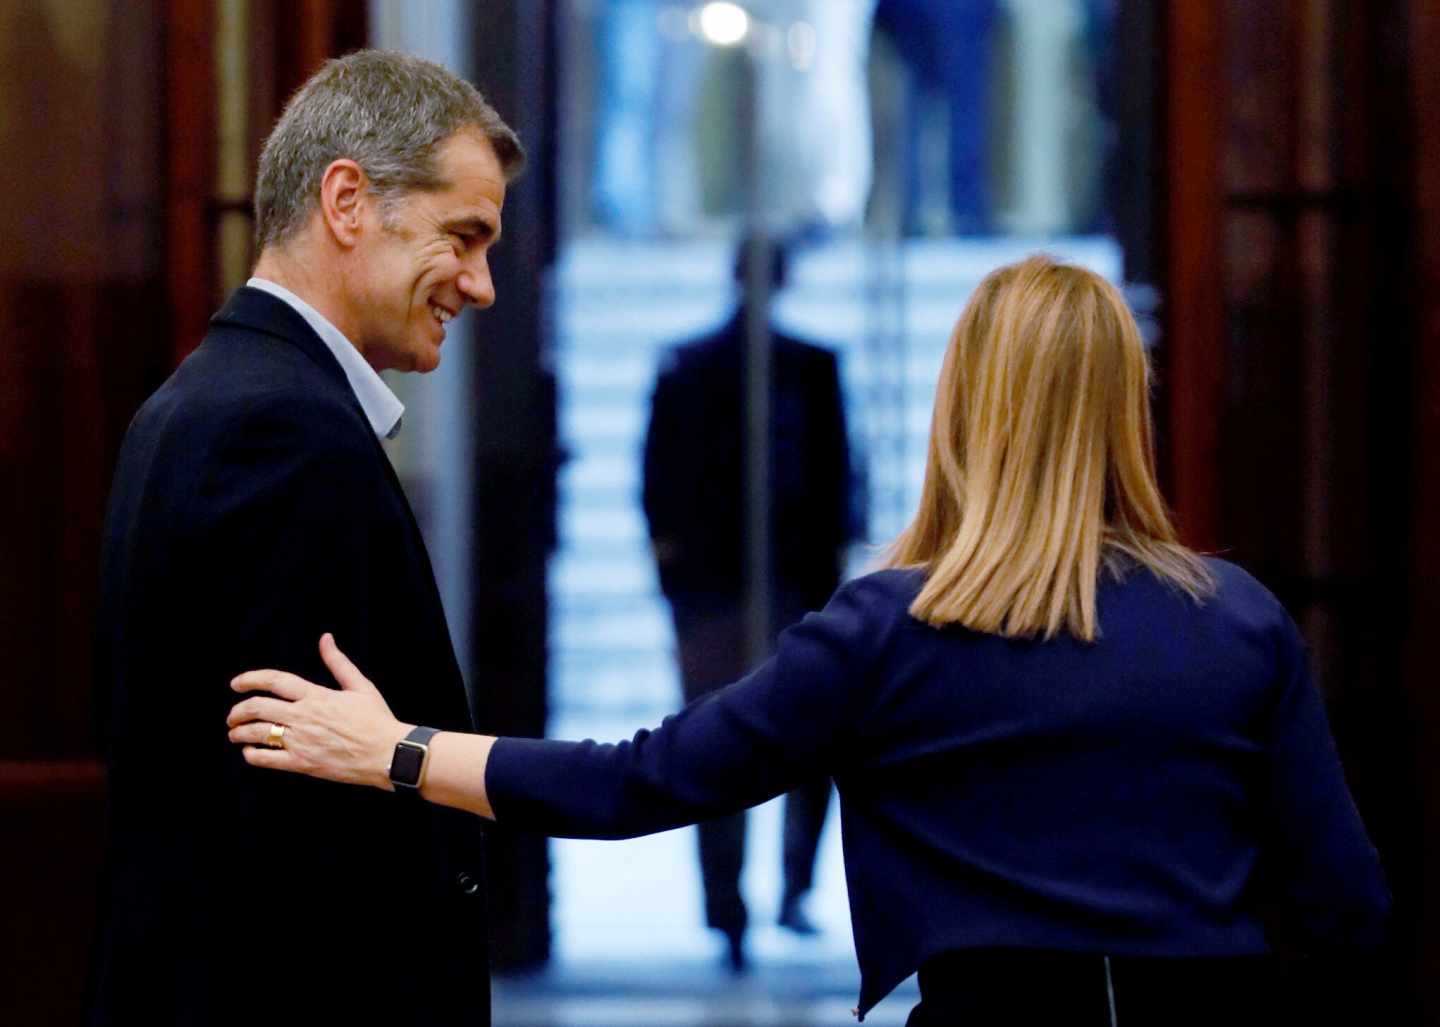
(1145, 794)
(1131, 795)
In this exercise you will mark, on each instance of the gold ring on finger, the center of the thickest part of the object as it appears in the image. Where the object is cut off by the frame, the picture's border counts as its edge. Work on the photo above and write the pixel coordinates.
(276, 738)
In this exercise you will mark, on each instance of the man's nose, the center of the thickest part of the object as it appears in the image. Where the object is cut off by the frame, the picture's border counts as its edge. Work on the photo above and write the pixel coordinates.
(475, 285)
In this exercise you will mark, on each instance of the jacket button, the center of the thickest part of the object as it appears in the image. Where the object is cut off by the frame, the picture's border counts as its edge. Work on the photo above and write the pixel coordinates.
(467, 884)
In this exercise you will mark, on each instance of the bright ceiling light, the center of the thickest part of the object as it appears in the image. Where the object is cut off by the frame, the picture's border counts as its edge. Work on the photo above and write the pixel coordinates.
(723, 24)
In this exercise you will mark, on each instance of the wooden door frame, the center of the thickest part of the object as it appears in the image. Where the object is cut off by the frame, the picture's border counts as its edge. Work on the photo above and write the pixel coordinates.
(1192, 213)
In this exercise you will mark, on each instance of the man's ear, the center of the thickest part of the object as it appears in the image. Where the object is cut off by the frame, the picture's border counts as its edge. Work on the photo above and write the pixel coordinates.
(343, 187)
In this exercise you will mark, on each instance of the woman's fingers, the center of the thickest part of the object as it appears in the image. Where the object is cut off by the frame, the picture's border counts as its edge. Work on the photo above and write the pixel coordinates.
(256, 732)
(346, 735)
(273, 759)
(276, 682)
(261, 708)
(346, 673)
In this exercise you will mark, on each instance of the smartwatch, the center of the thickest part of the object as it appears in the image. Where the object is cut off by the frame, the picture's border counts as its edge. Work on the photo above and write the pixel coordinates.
(412, 755)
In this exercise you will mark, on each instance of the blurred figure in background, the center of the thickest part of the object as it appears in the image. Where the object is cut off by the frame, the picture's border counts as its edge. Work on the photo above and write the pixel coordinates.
(947, 47)
(695, 501)
(645, 177)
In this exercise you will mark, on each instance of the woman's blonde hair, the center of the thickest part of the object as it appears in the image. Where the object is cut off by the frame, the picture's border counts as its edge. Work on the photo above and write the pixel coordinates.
(1041, 468)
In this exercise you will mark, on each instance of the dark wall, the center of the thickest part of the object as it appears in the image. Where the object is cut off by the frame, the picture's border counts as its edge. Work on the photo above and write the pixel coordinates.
(1297, 243)
(107, 277)
(1419, 463)
(83, 338)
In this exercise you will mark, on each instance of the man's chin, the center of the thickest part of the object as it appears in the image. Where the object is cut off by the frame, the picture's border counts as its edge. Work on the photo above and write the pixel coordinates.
(427, 360)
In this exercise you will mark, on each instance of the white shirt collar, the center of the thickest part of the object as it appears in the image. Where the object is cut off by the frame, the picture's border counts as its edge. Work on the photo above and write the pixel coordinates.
(382, 408)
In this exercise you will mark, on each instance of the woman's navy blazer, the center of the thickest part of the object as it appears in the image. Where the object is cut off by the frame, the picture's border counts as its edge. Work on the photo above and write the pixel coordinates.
(1145, 794)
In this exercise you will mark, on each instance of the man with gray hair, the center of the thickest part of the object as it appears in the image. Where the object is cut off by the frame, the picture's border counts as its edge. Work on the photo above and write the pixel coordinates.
(254, 509)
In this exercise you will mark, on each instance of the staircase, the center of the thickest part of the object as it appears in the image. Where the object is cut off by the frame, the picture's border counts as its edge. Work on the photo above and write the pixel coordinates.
(886, 309)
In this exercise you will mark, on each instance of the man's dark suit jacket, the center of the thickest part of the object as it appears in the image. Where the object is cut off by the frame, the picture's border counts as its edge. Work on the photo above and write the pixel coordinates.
(253, 509)
(694, 481)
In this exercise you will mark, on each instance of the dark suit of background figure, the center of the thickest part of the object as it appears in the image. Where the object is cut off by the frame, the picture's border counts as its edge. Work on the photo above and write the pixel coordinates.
(695, 501)
(948, 47)
(253, 509)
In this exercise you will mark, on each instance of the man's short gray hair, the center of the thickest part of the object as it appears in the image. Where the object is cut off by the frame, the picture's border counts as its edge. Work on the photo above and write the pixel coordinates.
(389, 112)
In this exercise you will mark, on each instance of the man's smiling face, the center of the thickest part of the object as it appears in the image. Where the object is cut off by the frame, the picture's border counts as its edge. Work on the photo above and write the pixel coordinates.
(425, 256)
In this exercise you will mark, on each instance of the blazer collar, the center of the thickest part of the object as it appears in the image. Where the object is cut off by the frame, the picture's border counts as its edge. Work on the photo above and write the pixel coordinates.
(262, 312)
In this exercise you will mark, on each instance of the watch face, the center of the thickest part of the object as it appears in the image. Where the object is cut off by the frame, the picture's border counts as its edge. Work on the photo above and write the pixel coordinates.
(406, 763)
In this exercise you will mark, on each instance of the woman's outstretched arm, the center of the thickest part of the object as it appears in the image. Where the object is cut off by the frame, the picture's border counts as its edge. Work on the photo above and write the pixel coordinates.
(797, 716)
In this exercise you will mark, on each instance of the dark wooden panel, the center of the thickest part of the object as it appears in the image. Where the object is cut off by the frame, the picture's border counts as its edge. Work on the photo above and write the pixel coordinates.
(48, 886)
(1260, 443)
(1259, 100)
(1191, 363)
(1313, 476)
(106, 281)
(190, 169)
(1423, 579)
(309, 32)
(82, 358)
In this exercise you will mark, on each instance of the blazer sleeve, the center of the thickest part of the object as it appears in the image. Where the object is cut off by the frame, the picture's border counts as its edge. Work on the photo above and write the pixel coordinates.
(285, 536)
(792, 719)
(1332, 888)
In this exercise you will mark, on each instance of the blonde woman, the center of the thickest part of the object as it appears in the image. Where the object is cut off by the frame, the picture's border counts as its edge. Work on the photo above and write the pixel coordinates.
(1075, 759)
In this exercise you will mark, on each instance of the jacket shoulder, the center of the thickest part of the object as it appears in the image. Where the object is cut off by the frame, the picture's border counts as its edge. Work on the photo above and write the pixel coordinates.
(890, 585)
(692, 353)
(1245, 615)
(806, 349)
(1240, 593)
(881, 599)
(240, 377)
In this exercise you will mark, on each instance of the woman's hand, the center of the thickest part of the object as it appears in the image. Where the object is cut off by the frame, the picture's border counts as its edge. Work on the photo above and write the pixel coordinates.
(347, 735)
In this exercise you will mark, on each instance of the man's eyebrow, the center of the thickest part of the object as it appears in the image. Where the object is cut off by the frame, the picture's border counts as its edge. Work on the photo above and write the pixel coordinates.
(477, 225)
